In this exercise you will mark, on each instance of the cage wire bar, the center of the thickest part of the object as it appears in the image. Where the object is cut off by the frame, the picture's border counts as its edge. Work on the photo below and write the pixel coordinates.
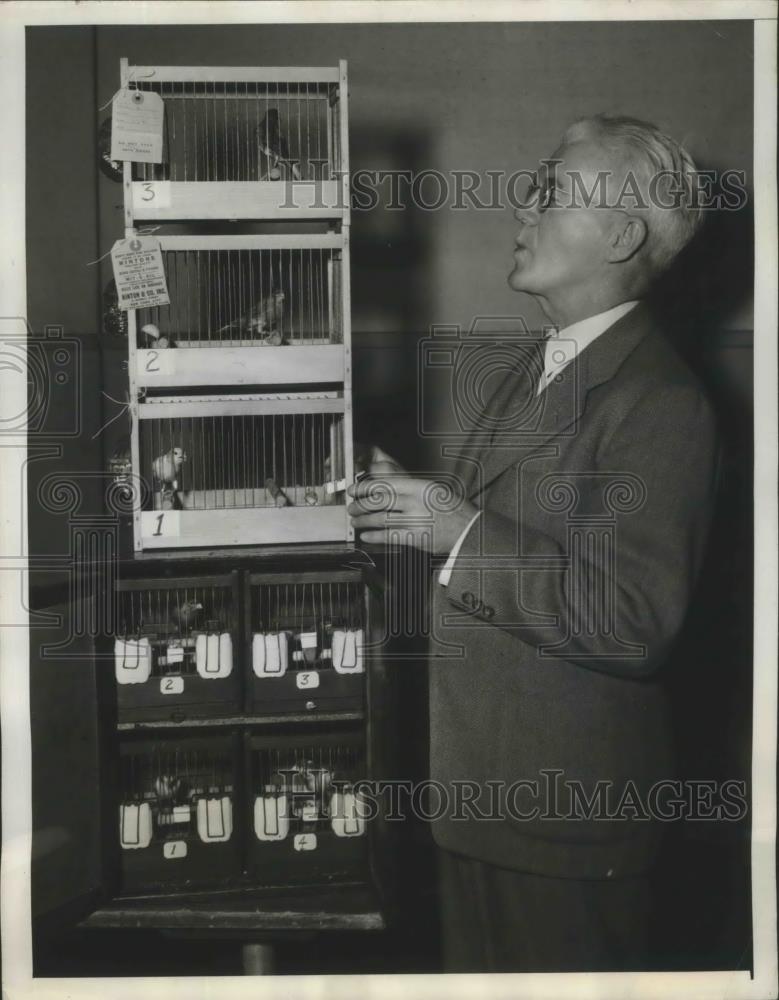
(166, 776)
(317, 603)
(239, 460)
(220, 131)
(263, 292)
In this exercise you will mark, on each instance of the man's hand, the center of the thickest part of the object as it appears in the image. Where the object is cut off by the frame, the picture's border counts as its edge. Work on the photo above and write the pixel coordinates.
(371, 460)
(417, 511)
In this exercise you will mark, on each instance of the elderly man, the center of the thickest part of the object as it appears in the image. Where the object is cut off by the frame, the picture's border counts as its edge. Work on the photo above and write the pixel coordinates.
(568, 565)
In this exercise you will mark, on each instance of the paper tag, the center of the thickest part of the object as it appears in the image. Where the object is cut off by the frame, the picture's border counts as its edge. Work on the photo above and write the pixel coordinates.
(174, 849)
(175, 654)
(307, 679)
(172, 685)
(139, 273)
(304, 842)
(136, 126)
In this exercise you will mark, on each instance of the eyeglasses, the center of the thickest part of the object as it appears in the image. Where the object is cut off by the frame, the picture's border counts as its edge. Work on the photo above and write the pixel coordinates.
(542, 190)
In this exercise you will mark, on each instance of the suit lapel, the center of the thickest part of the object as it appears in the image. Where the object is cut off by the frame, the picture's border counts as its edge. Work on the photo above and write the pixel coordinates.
(514, 392)
(558, 410)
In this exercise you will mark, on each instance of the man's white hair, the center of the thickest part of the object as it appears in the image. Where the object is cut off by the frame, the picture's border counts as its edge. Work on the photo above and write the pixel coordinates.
(673, 212)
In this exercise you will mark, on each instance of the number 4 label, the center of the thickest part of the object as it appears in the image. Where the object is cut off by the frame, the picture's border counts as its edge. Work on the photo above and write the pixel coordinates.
(304, 842)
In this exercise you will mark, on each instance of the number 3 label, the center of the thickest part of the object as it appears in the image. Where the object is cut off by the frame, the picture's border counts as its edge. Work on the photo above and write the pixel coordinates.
(146, 192)
(307, 679)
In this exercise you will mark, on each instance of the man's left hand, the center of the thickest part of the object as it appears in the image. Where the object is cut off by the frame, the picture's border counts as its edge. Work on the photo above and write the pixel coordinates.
(403, 508)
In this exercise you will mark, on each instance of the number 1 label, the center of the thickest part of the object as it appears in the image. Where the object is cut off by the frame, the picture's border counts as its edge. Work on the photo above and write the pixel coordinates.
(174, 849)
(160, 524)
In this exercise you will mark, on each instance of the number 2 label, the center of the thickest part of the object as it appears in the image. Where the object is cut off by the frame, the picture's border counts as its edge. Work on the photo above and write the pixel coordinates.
(172, 685)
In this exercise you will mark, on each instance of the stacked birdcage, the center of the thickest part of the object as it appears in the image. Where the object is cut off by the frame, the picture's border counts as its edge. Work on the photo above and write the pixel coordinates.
(240, 387)
(242, 694)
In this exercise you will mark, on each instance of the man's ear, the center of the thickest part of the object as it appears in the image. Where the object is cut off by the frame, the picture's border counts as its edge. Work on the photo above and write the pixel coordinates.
(627, 238)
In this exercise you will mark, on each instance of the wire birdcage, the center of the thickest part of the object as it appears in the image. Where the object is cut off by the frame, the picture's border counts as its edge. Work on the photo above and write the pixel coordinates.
(175, 647)
(177, 811)
(266, 291)
(229, 132)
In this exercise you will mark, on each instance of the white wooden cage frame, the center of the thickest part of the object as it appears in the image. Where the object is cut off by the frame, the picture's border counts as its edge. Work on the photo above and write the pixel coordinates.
(289, 364)
(168, 377)
(285, 200)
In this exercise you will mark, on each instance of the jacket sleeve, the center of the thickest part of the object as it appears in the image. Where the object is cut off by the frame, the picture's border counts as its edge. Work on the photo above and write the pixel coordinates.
(517, 578)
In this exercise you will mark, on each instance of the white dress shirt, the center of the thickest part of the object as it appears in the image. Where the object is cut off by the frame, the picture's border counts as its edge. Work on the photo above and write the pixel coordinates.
(562, 348)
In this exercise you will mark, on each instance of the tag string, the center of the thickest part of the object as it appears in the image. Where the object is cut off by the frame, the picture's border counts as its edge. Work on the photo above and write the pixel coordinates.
(141, 231)
(131, 79)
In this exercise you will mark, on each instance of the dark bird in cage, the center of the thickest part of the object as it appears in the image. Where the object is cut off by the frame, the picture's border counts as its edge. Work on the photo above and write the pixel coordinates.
(170, 789)
(262, 321)
(280, 498)
(152, 334)
(273, 144)
(113, 169)
(166, 468)
(114, 318)
(185, 615)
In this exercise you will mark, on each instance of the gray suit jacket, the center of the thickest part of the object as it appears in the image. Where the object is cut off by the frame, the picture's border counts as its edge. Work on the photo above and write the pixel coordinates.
(564, 602)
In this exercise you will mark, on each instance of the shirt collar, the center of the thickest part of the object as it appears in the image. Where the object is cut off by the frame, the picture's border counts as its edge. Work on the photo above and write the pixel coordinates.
(564, 345)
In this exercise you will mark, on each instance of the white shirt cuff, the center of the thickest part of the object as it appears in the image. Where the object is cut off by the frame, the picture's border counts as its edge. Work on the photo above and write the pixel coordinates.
(446, 573)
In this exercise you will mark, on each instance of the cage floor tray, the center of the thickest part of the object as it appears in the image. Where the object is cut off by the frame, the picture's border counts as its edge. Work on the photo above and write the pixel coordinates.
(243, 526)
(213, 500)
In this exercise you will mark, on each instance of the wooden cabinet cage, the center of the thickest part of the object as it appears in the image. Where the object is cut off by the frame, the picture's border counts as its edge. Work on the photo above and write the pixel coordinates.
(243, 670)
(307, 820)
(272, 810)
(177, 814)
(177, 650)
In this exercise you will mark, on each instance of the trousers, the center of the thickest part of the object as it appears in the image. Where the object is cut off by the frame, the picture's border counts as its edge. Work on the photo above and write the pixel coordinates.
(498, 920)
